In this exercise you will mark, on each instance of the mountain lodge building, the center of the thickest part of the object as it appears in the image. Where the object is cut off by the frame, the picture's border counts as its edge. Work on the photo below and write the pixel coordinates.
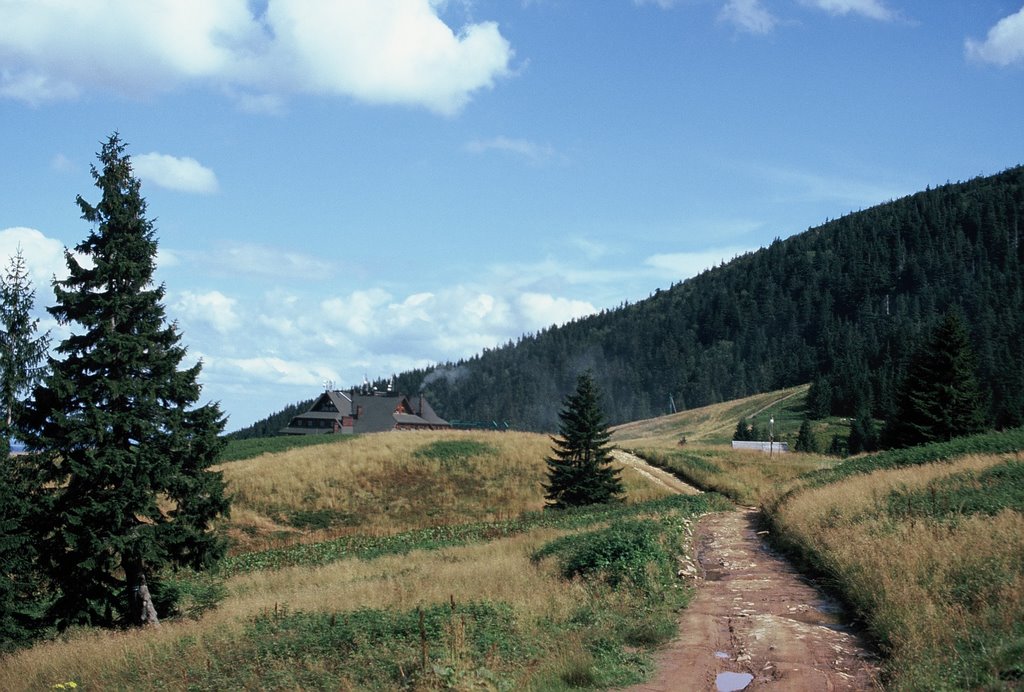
(365, 411)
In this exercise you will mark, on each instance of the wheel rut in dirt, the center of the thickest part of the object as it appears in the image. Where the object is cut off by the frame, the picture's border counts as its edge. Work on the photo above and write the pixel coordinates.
(755, 623)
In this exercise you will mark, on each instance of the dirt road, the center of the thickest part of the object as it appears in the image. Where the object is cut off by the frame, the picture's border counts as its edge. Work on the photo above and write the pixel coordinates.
(755, 623)
(653, 473)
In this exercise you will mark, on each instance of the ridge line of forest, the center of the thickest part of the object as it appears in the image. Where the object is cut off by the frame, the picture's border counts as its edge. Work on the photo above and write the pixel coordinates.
(842, 305)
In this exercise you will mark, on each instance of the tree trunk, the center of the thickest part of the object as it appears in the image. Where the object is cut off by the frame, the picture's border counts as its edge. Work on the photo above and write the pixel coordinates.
(147, 612)
(144, 611)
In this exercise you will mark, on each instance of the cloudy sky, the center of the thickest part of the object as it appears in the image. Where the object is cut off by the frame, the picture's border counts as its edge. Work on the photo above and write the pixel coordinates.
(350, 188)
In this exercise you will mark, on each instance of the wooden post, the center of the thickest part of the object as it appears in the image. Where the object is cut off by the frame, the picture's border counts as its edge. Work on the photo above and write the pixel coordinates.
(423, 642)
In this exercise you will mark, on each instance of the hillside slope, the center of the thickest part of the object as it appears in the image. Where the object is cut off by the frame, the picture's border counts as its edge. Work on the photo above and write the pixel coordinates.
(842, 305)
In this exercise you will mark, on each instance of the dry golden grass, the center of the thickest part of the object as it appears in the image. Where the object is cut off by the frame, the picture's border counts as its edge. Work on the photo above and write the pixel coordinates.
(751, 478)
(850, 499)
(496, 571)
(376, 485)
(923, 583)
(379, 484)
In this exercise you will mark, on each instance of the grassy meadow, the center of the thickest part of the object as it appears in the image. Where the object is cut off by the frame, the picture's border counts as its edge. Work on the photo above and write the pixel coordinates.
(424, 561)
(404, 561)
(375, 485)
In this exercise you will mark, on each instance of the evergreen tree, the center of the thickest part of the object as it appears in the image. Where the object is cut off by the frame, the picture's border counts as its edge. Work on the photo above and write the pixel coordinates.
(579, 470)
(806, 441)
(21, 356)
(20, 580)
(22, 353)
(940, 398)
(122, 448)
(863, 435)
(742, 432)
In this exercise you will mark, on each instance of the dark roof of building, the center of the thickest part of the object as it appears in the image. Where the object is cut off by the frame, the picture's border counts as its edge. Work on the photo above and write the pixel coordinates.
(369, 412)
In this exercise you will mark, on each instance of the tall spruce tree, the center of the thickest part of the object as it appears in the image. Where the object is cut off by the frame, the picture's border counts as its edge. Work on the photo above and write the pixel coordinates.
(579, 470)
(121, 444)
(940, 398)
(22, 354)
(22, 350)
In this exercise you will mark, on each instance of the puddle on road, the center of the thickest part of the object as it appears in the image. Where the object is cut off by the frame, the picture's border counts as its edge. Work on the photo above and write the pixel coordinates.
(732, 682)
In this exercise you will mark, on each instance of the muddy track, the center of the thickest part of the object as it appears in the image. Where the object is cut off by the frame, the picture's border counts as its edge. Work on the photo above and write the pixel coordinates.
(756, 623)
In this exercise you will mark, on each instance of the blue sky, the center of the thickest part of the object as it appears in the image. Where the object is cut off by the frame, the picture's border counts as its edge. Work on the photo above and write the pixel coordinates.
(350, 188)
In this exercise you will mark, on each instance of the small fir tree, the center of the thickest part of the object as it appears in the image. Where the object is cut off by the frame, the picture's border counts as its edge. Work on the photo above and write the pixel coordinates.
(806, 440)
(742, 432)
(940, 398)
(22, 352)
(123, 449)
(579, 470)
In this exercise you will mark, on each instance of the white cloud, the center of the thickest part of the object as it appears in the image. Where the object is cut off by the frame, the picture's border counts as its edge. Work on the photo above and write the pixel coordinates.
(59, 49)
(872, 9)
(748, 15)
(358, 312)
(533, 152)
(213, 308)
(541, 310)
(677, 266)
(258, 260)
(271, 369)
(1004, 44)
(44, 257)
(183, 174)
(376, 51)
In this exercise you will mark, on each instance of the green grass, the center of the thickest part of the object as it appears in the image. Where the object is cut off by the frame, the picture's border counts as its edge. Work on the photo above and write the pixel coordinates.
(1009, 441)
(433, 538)
(626, 569)
(988, 492)
(238, 450)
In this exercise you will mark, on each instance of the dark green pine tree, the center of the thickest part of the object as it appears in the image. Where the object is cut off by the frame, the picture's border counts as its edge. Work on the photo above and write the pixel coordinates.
(22, 354)
(806, 440)
(863, 435)
(579, 470)
(121, 443)
(742, 432)
(940, 398)
(22, 351)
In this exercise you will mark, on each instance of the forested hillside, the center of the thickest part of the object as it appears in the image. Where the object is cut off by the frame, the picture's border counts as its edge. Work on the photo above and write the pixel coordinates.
(842, 305)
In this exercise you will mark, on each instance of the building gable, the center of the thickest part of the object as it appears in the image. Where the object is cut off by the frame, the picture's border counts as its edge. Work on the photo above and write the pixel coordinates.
(335, 411)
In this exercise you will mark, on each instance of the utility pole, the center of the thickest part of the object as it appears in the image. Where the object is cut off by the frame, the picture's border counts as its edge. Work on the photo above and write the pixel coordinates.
(771, 437)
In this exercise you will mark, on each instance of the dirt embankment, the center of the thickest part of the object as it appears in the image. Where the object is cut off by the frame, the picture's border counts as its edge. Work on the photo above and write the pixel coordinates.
(755, 623)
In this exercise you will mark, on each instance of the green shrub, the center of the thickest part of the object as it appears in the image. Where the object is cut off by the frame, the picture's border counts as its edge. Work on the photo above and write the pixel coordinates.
(620, 553)
(455, 454)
